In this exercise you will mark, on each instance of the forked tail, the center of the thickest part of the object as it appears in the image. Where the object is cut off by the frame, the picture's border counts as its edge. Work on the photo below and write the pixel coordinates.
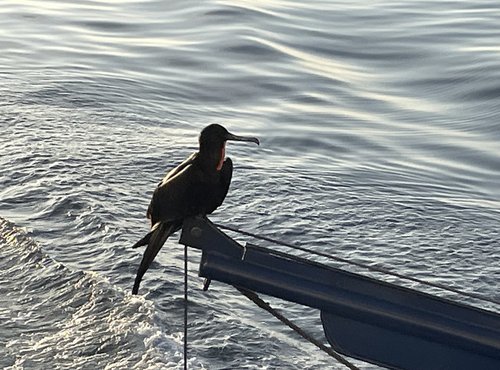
(155, 240)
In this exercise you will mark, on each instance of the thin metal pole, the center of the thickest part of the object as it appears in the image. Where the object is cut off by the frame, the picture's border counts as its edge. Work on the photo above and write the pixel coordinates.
(185, 305)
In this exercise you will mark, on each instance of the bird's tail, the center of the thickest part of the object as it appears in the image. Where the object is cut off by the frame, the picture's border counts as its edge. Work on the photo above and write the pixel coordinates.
(144, 241)
(155, 240)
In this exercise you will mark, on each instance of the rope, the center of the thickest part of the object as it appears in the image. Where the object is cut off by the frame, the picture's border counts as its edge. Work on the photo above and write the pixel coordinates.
(362, 265)
(185, 305)
(264, 305)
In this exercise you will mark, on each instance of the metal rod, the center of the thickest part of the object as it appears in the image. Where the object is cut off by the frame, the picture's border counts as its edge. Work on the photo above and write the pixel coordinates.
(185, 305)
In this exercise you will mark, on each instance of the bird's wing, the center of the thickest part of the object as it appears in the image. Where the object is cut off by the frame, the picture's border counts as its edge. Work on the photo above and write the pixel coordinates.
(189, 160)
(163, 183)
(222, 186)
(176, 197)
(226, 175)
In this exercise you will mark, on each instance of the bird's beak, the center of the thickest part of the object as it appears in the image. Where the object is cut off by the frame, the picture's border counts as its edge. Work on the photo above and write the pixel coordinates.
(230, 136)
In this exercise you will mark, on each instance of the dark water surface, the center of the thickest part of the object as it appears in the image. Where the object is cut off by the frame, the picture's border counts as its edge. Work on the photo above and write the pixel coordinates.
(379, 125)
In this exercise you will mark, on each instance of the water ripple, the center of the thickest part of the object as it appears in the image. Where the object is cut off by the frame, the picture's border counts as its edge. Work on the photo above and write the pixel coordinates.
(379, 124)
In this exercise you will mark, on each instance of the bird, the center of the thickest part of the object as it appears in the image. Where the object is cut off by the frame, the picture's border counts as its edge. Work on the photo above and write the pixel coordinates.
(196, 187)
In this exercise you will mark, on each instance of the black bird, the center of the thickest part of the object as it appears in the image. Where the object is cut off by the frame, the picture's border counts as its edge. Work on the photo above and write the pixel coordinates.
(196, 187)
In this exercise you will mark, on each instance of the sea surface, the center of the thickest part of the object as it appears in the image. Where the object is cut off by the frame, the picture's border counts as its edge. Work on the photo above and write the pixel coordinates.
(379, 124)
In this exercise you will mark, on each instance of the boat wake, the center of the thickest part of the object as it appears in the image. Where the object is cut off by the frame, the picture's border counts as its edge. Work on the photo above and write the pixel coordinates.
(53, 317)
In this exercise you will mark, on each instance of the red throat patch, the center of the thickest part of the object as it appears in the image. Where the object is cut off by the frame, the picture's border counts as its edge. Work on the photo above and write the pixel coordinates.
(222, 156)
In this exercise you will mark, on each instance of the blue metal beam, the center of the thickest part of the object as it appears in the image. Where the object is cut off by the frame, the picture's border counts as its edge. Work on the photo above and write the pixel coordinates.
(363, 318)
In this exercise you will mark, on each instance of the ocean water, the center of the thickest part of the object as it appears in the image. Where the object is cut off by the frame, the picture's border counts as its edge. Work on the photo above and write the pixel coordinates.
(379, 124)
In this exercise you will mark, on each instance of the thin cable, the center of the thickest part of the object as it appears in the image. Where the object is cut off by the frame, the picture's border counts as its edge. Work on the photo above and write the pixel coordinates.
(362, 265)
(185, 305)
(266, 306)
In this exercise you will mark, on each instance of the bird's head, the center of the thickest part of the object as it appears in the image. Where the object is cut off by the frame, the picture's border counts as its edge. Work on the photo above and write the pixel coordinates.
(213, 143)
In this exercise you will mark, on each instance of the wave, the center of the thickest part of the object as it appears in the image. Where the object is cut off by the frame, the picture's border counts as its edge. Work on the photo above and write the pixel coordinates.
(58, 318)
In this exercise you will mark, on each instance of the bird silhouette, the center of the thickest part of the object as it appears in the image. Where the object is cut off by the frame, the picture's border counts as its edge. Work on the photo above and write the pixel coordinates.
(195, 187)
